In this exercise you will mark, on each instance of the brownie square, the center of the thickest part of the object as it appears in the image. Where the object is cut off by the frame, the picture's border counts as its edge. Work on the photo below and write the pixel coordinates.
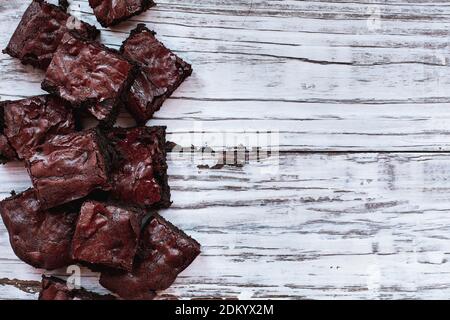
(161, 73)
(164, 251)
(57, 289)
(107, 234)
(112, 12)
(69, 167)
(40, 31)
(29, 122)
(140, 177)
(90, 76)
(41, 238)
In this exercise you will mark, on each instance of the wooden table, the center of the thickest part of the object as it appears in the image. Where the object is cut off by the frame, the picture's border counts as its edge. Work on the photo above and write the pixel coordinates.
(356, 204)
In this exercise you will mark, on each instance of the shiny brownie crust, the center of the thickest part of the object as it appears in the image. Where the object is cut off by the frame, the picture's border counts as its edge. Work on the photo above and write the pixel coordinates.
(164, 251)
(56, 289)
(110, 13)
(90, 76)
(161, 73)
(28, 122)
(40, 31)
(69, 167)
(41, 238)
(140, 177)
(107, 235)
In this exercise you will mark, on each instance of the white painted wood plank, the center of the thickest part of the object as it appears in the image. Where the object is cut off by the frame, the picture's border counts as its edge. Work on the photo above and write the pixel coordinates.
(322, 226)
(313, 71)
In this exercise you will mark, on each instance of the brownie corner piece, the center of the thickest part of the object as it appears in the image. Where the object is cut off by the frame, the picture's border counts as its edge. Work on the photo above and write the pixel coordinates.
(161, 73)
(164, 252)
(53, 288)
(39, 32)
(140, 177)
(28, 122)
(90, 76)
(110, 12)
(69, 167)
(41, 238)
(107, 234)
(159, 229)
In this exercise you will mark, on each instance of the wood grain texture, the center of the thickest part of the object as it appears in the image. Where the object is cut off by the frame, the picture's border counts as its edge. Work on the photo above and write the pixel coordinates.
(356, 205)
(350, 226)
(319, 73)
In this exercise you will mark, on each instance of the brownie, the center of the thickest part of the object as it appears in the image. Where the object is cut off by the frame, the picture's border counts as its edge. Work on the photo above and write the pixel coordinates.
(164, 251)
(107, 234)
(41, 238)
(56, 289)
(29, 122)
(90, 76)
(112, 12)
(161, 73)
(40, 31)
(69, 167)
(7, 152)
(140, 177)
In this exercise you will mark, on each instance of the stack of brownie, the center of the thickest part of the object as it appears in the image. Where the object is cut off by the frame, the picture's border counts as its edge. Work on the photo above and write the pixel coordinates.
(95, 191)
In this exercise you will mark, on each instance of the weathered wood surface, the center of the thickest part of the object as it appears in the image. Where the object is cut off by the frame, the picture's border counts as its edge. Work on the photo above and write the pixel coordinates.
(328, 76)
(320, 73)
(346, 226)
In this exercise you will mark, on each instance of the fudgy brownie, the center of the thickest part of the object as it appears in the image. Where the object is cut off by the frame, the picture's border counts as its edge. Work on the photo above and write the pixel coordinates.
(111, 12)
(57, 289)
(107, 234)
(41, 238)
(140, 177)
(90, 76)
(7, 152)
(164, 251)
(40, 31)
(161, 73)
(28, 122)
(69, 167)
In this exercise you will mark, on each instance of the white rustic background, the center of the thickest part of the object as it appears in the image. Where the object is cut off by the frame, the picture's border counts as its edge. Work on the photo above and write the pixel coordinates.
(357, 205)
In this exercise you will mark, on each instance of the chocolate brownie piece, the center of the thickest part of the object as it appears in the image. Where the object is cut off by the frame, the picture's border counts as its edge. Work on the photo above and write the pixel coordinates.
(161, 73)
(40, 31)
(69, 167)
(57, 289)
(141, 175)
(112, 12)
(107, 234)
(41, 238)
(28, 122)
(164, 251)
(7, 152)
(90, 76)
